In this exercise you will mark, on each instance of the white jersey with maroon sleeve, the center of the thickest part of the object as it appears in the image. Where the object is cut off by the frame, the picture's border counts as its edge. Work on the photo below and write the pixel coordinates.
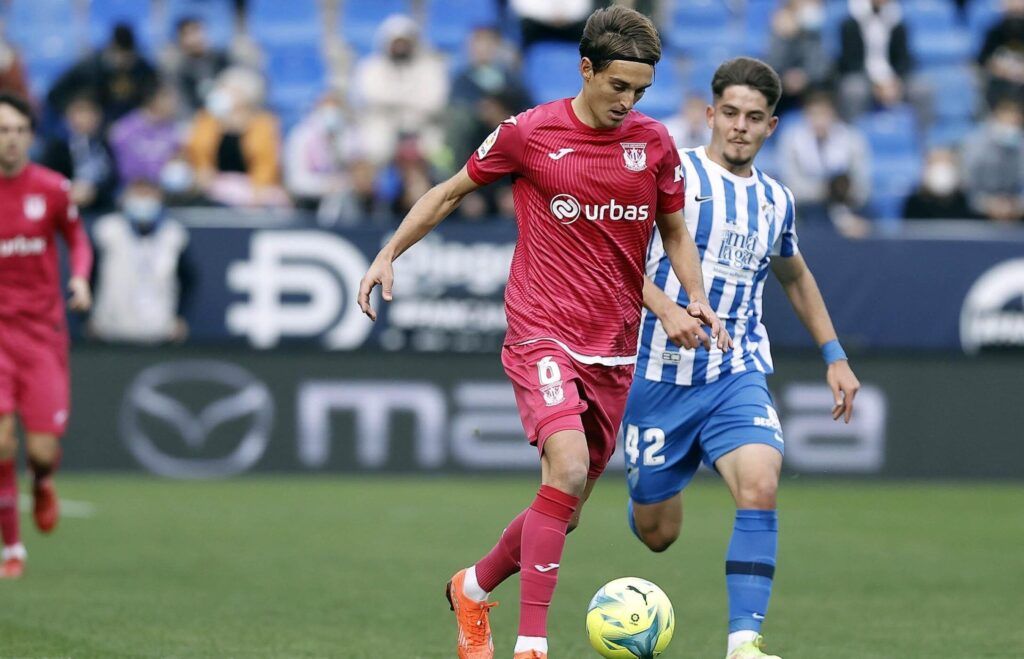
(585, 203)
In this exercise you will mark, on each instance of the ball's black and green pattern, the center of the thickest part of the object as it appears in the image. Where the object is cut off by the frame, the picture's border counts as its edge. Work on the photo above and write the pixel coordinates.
(630, 618)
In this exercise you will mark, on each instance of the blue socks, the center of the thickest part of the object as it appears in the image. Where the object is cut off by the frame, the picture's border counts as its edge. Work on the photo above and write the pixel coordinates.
(750, 567)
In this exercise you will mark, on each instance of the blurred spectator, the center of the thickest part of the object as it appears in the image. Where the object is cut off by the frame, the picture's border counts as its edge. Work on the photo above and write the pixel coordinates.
(234, 144)
(689, 126)
(414, 175)
(400, 90)
(317, 153)
(116, 75)
(551, 20)
(83, 156)
(144, 279)
(466, 132)
(826, 164)
(939, 195)
(875, 63)
(12, 70)
(993, 164)
(145, 140)
(490, 70)
(192, 63)
(359, 202)
(1002, 55)
(797, 50)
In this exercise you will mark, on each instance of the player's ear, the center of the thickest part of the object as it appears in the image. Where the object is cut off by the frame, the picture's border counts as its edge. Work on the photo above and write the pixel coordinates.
(586, 69)
(709, 113)
(773, 123)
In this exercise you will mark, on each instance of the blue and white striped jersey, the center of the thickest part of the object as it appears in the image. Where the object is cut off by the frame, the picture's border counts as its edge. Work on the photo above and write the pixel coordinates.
(738, 224)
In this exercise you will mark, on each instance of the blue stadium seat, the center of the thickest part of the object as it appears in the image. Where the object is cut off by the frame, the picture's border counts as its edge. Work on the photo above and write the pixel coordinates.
(892, 179)
(449, 22)
(551, 71)
(950, 133)
(981, 15)
(105, 14)
(929, 15)
(941, 47)
(701, 14)
(954, 91)
(290, 21)
(757, 22)
(666, 94)
(890, 132)
(359, 20)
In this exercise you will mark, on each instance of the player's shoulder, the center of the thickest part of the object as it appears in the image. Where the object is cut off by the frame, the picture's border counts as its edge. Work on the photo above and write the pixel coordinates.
(47, 180)
(770, 181)
(539, 115)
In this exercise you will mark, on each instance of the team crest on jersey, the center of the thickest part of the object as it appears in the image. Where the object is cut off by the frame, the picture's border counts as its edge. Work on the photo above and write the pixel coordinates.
(635, 155)
(488, 142)
(35, 207)
(768, 210)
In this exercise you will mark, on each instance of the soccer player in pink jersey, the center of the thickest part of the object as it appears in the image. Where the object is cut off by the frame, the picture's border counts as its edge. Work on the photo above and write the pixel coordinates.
(34, 208)
(591, 177)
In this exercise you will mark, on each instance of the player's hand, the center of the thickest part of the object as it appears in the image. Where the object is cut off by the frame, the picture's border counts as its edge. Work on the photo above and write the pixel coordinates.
(844, 385)
(382, 273)
(703, 312)
(81, 294)
(683, 329)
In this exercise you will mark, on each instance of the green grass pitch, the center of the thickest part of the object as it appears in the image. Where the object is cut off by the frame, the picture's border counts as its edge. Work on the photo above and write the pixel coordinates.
(355, 568)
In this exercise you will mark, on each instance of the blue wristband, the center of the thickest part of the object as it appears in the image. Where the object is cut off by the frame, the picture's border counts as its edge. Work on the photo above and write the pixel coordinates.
(832, 352)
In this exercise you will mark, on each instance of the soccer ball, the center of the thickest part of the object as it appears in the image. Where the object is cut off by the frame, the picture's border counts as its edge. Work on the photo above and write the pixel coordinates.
(630, 618)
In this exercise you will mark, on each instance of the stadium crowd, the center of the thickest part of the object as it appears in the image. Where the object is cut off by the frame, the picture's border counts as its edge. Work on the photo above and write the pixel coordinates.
(352, 110)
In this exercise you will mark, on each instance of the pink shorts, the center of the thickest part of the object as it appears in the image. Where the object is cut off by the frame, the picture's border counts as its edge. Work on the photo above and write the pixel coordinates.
(34, 379)
(554, 392)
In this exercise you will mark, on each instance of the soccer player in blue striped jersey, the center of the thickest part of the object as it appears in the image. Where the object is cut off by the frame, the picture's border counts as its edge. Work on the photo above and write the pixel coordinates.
(689, 404)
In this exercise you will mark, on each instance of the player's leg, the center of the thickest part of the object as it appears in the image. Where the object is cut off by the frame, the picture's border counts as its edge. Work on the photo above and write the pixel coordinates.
(13, 558)
(44, 400)
(661, 428)
(43, 451)
(744, 442)
(564, 465)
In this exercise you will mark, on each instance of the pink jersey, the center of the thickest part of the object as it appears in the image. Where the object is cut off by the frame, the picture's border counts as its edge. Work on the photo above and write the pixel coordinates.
(35, 207)
(585, 203)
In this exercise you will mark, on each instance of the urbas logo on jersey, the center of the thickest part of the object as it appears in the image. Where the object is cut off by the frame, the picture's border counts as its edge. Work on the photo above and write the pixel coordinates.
(567, 209)
(22, 246)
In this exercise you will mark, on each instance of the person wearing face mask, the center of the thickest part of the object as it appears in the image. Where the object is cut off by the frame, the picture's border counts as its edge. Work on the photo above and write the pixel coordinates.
(317, 153)
(993, 159)
(143, 275)
(797, 50)
(939, 195)
(401, 89)
(234, 144)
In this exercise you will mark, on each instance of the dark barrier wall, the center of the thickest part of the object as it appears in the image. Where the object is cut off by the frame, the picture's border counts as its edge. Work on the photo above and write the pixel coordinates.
(271, 287)
(207, 413)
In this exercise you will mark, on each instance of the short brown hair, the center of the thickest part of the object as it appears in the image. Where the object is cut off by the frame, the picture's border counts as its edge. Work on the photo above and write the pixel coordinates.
(619, 32)
(748, 72)
(21, 106)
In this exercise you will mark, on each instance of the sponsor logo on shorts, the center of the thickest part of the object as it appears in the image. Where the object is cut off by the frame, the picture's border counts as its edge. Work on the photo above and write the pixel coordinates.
(771, 421)
(553, 393)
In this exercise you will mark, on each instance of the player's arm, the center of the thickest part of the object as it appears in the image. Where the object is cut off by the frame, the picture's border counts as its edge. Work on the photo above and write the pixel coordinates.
(681, 328)
(80, 257)
(425, 214)
(682, 254)
(805, 296)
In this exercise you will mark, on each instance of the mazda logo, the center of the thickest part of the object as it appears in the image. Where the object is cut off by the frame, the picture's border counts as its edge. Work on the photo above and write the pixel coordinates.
(167, 435)
(565, 208)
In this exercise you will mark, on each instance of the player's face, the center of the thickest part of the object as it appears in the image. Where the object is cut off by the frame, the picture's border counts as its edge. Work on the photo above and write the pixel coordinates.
(740, 122)
(15, 139)
(610, 94)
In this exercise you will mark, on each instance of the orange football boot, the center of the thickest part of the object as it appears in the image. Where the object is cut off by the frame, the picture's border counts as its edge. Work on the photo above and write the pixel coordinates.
(46, 509)
(475, 640)
(12, 568)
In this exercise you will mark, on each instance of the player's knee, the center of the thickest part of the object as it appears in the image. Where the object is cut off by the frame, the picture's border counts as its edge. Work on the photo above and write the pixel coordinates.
(758, 493)
(659, 536)
(569, 476)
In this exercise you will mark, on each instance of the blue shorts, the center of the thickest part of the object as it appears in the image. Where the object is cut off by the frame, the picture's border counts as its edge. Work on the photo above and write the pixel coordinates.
(668, 429)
